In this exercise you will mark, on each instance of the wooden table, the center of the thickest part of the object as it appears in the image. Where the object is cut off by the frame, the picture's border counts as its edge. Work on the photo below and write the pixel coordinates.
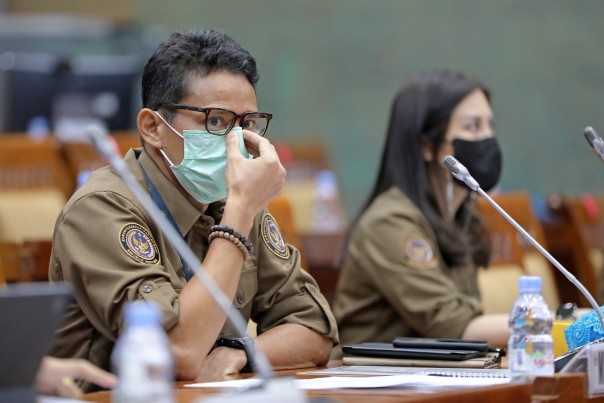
(561, 388)
(517, 393)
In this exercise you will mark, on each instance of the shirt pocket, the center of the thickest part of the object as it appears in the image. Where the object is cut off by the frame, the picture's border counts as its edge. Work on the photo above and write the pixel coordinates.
(247, 287)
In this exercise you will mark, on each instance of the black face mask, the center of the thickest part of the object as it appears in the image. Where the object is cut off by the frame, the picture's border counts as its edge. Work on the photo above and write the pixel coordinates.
(482, 158)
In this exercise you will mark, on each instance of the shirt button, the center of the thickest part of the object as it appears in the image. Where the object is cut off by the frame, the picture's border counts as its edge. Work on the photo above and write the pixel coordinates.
(147, 288)
(205, 222)
(240, 298)
(312, 289)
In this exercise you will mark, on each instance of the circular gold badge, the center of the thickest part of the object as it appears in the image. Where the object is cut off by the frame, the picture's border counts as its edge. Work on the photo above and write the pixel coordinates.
(138, 243)
(272, 237)
(416, 251)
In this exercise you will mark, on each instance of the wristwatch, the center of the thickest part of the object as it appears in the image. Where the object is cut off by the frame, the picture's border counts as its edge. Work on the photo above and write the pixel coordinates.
(240, 343)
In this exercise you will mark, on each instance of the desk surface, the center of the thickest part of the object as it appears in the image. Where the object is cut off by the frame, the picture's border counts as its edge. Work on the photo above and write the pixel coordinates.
(493, 394)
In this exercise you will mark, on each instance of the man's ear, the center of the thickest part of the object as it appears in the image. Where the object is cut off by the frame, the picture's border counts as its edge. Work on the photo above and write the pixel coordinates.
(427, 153)
(148, 122)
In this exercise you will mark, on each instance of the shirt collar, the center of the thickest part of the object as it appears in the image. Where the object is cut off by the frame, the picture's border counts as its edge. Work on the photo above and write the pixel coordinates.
(185, 215)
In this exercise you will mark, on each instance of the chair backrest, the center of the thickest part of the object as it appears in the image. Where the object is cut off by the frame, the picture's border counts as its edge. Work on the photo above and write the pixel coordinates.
(513, 255)
(576, 230)
(2, 271)
(81, 157)
(281, 209)
(29, 214)
(27, 163)
(25, 262)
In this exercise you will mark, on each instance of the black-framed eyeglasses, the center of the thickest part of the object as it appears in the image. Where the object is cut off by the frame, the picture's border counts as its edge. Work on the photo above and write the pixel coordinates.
(220, 121)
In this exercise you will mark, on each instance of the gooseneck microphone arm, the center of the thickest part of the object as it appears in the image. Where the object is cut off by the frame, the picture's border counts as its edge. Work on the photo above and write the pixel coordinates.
(104, 147)
(461, 172)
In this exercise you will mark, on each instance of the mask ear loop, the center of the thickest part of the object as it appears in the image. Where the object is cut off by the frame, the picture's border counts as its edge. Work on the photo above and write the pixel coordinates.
(468, 213)
(174, 130)
(449, 195)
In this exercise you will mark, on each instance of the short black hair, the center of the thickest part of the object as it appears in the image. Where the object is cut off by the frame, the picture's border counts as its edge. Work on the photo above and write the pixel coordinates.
(191, 53)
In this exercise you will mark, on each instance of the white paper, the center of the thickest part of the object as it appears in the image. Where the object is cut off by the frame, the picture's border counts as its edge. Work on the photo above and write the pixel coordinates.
(55, 399)
(364, 382)
(360, 370)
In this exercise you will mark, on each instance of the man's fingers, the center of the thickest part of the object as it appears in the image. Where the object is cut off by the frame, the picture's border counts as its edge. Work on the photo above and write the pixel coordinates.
(232, 143)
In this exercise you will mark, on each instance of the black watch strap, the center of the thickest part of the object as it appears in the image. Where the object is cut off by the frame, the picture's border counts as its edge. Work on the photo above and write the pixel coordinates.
(240, 343)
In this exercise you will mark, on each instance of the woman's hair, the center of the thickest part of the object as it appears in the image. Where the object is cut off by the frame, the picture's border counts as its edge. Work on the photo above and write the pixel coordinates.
(421, 112)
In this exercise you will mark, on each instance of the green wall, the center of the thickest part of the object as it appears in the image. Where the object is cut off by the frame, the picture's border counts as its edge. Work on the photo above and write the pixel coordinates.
(329, 70)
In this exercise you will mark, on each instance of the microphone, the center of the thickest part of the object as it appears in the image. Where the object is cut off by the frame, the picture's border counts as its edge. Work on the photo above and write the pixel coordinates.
(102, 142)
(595, 141)
(461, 172)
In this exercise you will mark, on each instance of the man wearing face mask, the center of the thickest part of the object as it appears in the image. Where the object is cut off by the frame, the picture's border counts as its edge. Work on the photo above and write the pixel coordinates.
(410, 263)
(209, 168)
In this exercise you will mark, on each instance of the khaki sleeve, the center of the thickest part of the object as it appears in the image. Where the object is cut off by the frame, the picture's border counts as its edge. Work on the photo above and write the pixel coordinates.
(286, 293)
(402, 261)
(104, 248)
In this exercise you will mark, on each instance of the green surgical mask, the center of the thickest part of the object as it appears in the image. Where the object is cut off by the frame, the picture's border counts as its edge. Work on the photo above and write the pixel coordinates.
(202, 171)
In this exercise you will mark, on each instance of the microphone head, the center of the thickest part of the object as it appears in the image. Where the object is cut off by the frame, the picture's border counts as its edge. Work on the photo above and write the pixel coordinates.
(595, 141)
(590, 135)
(460, 172)
(455, 167)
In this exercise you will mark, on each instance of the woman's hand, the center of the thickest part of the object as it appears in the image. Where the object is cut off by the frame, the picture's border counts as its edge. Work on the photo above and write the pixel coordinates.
(56, 376)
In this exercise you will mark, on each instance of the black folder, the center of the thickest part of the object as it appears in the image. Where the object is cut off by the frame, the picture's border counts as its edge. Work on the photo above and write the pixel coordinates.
(387, 350)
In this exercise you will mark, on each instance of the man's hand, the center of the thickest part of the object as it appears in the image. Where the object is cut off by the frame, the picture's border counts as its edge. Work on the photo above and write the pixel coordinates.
(252, 184)
(56, 376)
(222, 364)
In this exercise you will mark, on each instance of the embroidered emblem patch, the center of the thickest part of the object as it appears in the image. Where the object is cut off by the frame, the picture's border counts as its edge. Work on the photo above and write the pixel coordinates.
(417, 252)
(138, 243)
(272, 237)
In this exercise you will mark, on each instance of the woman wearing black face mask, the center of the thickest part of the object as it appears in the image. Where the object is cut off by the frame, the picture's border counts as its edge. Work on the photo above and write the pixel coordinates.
(412, 255)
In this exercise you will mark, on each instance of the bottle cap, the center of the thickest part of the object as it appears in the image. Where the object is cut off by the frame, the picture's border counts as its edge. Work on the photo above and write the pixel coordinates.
(326, 179)
(142, 313)
(530, 284)
(567, 311)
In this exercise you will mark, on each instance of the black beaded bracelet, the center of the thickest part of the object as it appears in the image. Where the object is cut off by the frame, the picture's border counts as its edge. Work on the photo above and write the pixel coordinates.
(231, 231)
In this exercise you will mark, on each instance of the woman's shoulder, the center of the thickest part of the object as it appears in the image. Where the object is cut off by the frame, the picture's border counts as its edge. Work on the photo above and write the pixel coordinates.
(393, 203)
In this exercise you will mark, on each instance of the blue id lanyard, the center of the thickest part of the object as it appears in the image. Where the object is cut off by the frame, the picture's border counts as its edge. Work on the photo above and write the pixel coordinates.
(159, 202)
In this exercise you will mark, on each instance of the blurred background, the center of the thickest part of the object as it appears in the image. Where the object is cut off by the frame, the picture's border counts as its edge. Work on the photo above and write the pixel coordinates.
(330, 69)
(329, 72)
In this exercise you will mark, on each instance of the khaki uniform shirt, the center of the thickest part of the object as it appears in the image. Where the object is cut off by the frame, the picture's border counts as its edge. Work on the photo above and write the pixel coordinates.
(110, 250)
(395, 283)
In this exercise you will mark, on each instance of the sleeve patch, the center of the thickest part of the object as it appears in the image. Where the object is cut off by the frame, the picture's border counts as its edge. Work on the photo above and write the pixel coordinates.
(138, 243)
(272, 237)
(417, 252)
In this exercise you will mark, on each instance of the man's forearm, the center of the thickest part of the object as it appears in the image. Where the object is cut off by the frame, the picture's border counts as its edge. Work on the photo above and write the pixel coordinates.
(294, 346)
(200, 317)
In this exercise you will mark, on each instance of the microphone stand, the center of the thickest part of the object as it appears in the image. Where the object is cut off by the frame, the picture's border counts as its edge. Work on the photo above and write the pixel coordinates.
(545, 253)
(101, 142)
(461, 172)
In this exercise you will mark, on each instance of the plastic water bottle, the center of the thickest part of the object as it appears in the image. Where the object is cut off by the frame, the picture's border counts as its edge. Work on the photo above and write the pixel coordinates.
(327, 207)
(531, 347)
(38, 128)
(142, 359)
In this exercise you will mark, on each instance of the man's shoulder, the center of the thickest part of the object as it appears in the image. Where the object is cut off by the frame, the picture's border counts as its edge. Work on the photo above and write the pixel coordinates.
(101, 183)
